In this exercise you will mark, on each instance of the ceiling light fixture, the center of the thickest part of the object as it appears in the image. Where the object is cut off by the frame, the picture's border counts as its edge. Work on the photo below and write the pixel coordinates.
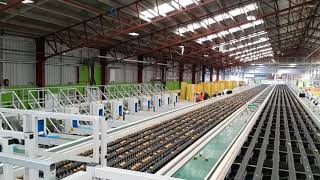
(133, 34)
(3, 3)
(27, 1)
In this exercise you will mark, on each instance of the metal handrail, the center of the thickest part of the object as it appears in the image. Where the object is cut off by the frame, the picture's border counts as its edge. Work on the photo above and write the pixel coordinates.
(39, 106)
(5, 119)
(80, 104)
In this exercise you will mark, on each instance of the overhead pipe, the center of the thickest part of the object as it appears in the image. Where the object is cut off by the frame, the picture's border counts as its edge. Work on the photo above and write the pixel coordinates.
(134, 61)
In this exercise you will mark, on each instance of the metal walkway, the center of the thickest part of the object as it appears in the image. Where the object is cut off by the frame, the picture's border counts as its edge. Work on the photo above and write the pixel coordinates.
(283, 144)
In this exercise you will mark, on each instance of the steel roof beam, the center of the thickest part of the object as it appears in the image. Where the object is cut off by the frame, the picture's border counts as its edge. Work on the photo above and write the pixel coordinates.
(11, 4)
(209, 32)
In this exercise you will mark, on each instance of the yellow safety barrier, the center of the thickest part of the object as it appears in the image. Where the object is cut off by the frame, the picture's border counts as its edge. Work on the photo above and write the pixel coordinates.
(183, 92)
(191, 90)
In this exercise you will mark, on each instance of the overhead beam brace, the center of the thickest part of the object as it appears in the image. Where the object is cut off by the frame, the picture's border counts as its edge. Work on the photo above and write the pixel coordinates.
(11, 4)
(200, 35)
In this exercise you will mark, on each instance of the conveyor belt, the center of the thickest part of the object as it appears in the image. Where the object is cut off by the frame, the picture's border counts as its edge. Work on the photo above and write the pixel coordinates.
(283, 144)
(150, 149)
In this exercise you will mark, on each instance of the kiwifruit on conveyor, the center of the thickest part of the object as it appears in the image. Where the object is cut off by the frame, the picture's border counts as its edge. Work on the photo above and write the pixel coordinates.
(282, 143)
(150, 145)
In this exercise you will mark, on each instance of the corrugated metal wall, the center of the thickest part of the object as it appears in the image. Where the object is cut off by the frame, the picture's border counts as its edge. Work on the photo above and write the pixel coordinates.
(123, 72)
(18, 56)
(19, 60)
(62, 69)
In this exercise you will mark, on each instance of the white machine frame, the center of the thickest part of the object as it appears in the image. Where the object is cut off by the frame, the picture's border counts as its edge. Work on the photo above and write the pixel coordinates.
(98, 123)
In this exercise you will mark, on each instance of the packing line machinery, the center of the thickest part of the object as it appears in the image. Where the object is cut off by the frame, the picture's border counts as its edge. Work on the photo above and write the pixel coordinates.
(26, 164)
(282, 142)
(149, 149)
(77, 153)
(117, 102)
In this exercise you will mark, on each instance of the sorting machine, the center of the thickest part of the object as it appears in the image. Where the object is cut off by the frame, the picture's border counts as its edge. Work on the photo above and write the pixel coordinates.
(278, 136)
(284, 142)
(149, 146)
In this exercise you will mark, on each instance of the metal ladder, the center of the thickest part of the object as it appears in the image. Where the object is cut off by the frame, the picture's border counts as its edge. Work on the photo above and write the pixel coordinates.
(94, 94)
(12, 122)
(38, 103)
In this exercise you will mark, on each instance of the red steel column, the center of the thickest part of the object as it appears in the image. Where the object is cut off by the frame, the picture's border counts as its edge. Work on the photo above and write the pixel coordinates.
(217, 74)
(181, 69)
(203, 77)
(163, 74)
(140, 70)
(193, 74)
(40, 64)
(211, 73)
(103, 64)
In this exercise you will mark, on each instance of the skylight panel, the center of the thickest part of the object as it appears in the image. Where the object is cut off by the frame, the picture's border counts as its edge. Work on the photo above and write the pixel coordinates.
(235, 29)
(251, 7)
(164, 9)
(258, 22)
(223, 33)
(236, 12)
(149, 13)
(221, 17)
(243, 38)
(182, 3)
(201, 40)
(246, 26)
(212, 36)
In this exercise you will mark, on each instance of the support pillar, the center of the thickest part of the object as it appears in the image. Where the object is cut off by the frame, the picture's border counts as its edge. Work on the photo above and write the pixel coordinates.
(78, 75)
(40, 64)
(92, 73)
(140, 70)
(217, 73)
(181, 69)
(104, 67)
(211, 73)
(203, 77)
(193, 74)
(1, 65)
(163, 75)
(40, 67)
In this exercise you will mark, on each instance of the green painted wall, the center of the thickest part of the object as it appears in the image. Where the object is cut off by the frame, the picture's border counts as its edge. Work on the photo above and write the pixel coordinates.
(97, 75)
(173, 85)
(84, 75)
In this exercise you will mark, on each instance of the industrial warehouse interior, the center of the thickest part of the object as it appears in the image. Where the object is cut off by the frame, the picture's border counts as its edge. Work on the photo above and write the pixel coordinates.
(159, 89)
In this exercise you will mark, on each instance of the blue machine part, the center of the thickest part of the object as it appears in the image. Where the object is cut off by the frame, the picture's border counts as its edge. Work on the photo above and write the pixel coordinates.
(41, 125)
(75, 124)
(101, 112)
(159, 102)
(149, 104)
(54, 137)
(136, 107)
(120, 111)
